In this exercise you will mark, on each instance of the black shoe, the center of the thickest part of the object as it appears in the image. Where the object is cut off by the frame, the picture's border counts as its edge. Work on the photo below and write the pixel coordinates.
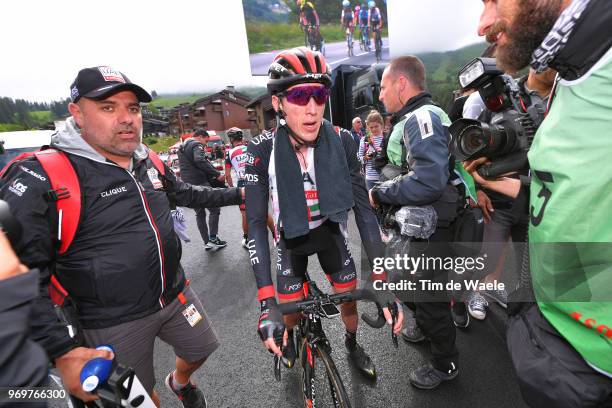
(362, 362)
(190, 395)
(461, 317)
(217, 243)
(427, 377)
(413, 334)
(289, 354)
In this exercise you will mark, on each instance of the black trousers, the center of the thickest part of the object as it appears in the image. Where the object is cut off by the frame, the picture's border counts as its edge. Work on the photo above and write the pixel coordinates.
(432, 307)
(550, 371)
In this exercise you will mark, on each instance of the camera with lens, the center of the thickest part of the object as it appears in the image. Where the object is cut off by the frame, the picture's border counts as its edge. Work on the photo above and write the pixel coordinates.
(514, 119)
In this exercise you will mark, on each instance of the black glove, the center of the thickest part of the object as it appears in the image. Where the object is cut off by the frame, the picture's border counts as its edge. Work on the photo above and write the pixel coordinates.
(270, 321)
(386, 298)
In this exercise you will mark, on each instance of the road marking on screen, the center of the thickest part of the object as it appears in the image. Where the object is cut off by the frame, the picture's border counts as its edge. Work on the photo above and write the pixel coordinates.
(340, 60)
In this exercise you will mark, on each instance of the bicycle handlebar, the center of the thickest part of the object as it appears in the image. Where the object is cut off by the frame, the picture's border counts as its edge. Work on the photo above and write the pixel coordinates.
(315, 303)
(337, 299)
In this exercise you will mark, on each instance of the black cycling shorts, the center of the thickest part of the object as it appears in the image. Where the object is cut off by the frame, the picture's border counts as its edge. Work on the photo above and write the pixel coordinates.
(241, 184)
(331, 247)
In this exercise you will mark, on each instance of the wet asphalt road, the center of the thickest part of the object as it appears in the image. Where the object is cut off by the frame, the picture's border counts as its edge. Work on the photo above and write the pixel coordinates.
(240, 372)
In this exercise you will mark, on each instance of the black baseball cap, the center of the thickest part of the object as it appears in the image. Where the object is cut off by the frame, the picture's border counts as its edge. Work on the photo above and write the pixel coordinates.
(100, 82)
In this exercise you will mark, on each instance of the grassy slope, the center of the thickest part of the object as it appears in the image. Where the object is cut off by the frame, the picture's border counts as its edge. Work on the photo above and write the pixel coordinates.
(160, 144)
(170, 101)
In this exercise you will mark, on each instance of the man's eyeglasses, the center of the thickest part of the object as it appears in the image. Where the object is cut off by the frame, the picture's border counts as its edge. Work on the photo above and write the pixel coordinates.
(301, 95)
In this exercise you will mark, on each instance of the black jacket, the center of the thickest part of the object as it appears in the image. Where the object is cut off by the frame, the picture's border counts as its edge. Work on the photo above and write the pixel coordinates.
(195, 167)
(124, 261)
(22, 362)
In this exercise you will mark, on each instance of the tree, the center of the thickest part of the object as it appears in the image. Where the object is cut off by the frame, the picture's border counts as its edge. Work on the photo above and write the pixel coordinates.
(153, 94)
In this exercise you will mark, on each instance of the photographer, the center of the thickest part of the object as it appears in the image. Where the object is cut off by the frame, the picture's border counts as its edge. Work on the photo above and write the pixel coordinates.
(505, 217)
(369, 146)
(561, 346)
(418, 146)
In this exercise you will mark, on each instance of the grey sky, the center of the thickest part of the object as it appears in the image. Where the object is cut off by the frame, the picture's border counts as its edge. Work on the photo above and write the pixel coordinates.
(178, 45)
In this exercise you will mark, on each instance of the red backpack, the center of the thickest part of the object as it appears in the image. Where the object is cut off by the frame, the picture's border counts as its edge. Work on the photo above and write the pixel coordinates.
(66, 192)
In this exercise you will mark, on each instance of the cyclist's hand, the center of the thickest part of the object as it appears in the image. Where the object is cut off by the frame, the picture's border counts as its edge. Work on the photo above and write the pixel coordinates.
(70, 365)
(390, 303)
(271, 327)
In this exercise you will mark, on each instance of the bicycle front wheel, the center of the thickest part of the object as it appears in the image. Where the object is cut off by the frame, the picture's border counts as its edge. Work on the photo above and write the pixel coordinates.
(322, 385)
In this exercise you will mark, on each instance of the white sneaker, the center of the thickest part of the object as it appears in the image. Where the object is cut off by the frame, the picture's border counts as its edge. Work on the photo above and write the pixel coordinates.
(477, 306)
(244, 243)
(208, 246)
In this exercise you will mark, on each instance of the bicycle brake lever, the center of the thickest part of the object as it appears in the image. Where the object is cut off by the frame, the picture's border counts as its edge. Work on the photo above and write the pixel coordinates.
(394, 313)
(393, 335)
(277, 368)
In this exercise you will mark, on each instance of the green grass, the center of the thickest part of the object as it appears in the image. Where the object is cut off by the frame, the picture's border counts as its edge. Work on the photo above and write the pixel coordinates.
(160, 144)
(274, 36)
(170, 101)
(41, 116)
(10, 127)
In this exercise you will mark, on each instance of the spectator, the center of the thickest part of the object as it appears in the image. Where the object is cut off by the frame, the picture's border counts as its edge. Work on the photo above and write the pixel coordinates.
(196, 169)
(370, 146)
(357, 131)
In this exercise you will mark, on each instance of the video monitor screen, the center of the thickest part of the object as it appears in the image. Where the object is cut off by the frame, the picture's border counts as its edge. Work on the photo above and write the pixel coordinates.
(356, 34)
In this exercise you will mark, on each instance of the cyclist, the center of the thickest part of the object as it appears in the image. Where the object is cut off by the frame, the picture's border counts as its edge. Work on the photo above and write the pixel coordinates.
(363, 25)
(308, 16)
(374, 19)
(347, 17)
(308, 171)
(235, 158)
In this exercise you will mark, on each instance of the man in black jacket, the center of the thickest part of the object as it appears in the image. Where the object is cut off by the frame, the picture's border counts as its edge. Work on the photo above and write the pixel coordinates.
(196, 169)
(419, 144)
(122, 269)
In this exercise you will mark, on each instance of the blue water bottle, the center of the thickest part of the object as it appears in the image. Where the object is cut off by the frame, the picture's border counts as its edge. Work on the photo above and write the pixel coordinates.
(96, 371)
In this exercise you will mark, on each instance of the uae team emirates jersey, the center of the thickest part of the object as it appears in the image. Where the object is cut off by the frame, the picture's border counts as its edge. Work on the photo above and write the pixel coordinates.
(236, 158)
(310, 191)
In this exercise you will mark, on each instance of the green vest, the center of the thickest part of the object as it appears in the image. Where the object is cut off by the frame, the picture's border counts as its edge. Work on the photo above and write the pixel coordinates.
(570, 234)
(394, 148)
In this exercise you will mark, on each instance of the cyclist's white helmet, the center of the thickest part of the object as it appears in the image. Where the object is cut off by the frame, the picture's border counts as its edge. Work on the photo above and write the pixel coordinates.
(346, 3)
(371, 4)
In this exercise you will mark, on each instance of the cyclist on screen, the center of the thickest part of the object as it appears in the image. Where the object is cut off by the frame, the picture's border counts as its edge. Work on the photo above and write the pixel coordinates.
(374, 18)
(309, 173)
(364, 22)
(347, 17)
(308, 15)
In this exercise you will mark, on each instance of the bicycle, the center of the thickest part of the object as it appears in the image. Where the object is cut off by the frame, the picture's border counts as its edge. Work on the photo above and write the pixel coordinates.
(349, 41)
(377, 43)
(312, 344)
(313, 38)
(365, 39)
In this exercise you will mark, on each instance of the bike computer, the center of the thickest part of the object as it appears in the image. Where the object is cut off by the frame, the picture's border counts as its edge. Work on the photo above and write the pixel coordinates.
(330, 309)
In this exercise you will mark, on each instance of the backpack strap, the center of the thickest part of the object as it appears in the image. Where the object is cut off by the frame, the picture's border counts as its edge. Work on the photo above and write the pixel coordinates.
(65, 191)
(159, 165)
(20, 157)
